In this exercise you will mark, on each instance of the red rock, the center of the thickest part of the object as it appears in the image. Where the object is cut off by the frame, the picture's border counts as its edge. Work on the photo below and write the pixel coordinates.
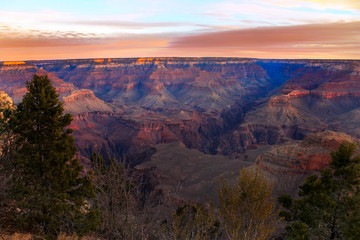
(205, 103)
(298, 159)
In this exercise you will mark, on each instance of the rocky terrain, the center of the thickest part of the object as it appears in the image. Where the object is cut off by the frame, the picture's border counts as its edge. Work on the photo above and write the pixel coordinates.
(287, 165)
(218, 106)
(193, 175)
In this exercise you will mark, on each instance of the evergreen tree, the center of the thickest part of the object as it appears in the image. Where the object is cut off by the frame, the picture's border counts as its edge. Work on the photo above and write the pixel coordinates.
(329, 204)
(49, 191)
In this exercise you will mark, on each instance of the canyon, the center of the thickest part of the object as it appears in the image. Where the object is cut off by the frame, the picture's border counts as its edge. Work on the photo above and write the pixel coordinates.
(245, 111)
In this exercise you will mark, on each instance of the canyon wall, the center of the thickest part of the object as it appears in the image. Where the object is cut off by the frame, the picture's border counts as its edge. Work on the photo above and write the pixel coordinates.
(122, 107)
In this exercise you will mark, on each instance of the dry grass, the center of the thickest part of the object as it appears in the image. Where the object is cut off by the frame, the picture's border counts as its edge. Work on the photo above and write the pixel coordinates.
(27, 236)
(16, 236)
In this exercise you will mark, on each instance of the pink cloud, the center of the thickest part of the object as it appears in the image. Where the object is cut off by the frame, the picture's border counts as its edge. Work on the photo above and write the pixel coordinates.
(333, 40)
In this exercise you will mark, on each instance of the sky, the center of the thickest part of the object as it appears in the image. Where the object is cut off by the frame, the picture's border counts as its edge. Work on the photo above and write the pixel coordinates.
(73, 29)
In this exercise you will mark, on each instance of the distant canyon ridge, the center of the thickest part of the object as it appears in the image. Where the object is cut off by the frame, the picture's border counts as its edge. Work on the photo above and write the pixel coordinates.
(227, 107)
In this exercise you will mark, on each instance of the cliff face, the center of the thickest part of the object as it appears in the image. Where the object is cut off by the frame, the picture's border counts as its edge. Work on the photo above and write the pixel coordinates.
(84, 100)
(288, 164)
(317, 96)
(217, 105)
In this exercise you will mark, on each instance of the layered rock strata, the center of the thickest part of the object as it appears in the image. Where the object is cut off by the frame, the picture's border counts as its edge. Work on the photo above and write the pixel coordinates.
(290, 163)
(216, 105)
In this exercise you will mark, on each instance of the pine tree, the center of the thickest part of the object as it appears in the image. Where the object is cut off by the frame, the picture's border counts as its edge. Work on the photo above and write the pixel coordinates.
(329, 204)
(50, 193)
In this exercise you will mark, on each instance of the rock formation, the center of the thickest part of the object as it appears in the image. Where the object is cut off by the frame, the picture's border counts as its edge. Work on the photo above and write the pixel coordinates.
(288, 164)
(216, 105)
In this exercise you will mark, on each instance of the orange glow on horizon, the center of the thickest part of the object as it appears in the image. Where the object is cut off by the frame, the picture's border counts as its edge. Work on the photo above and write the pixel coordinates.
(14, 63)
(99, 60)
(313, 41)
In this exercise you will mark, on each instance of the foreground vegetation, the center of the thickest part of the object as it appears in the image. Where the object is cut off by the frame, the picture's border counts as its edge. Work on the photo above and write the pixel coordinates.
(47, 195)
(329, 204)
(46, 192)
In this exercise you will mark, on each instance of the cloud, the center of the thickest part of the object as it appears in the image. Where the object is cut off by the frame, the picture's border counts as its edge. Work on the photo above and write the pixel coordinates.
(73, 46)
(44, 42)
(127, 25)
(343, 4)
(270, 36)
(278, 12)
(335, 40)
(78, 38)
(338, 40)
(71, 39)
(19, 37)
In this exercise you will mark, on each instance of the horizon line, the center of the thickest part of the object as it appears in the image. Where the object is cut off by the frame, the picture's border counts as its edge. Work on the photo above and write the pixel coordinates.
(147, 58)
